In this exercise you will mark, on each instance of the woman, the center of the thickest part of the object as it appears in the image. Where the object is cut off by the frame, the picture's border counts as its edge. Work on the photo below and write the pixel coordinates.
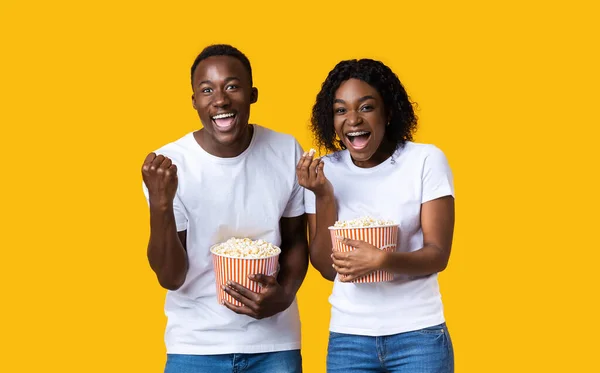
(363, 115)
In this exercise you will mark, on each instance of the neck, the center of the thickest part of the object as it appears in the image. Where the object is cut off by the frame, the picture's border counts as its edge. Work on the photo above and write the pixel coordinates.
(385, 150)
(213, 147)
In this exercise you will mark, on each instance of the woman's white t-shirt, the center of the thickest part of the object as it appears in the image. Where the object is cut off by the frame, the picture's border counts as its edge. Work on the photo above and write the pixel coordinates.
(395, 190)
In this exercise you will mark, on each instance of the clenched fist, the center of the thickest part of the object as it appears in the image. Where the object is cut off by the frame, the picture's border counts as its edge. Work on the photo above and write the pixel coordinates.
(160, 177)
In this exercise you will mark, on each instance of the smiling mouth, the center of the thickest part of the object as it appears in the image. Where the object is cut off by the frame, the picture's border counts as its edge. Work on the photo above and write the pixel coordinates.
(224, 121)
(358, 139)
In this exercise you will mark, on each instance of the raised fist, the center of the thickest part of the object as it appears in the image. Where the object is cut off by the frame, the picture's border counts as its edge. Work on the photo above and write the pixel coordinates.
(160, 177)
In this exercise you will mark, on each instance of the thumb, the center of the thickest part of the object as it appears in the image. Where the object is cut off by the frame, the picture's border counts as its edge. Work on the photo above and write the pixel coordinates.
(349, 242)
(320, 174)
(263, 279)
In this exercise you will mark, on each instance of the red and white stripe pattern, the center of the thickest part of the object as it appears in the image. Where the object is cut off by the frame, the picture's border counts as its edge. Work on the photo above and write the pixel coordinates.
(238, 269)
(385, 238)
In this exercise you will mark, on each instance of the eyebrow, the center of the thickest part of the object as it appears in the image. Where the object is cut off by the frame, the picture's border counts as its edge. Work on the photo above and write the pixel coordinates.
(364, 98)
(227, 80)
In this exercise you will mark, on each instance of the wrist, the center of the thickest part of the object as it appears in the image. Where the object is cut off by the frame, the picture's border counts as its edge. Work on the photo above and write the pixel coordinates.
(288, 293)
(383, 260)
(160, 205)
(324, 196)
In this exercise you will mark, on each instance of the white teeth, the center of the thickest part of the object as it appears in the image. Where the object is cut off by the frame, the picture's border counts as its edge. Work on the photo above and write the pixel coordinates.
(359, 133)
(222, 116)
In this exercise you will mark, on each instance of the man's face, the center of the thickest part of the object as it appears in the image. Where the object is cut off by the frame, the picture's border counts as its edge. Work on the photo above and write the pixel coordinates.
(222, 97)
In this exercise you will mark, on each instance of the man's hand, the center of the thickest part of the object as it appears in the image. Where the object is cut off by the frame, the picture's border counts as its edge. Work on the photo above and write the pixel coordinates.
(271, 299)
(364, 259)
(160, 177)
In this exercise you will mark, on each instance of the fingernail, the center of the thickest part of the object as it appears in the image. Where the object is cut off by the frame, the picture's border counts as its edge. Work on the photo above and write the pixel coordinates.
(229, 283)
(305, 153)
(312, 152)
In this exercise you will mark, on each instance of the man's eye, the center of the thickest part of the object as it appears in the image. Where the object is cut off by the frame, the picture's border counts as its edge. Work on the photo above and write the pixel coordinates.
(207, 90)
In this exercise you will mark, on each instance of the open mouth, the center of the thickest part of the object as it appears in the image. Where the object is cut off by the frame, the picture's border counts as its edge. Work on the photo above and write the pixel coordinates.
(358, 139)
(224, 121)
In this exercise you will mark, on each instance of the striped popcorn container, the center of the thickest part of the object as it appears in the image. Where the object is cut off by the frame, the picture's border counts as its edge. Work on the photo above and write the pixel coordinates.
(384, 237)
(228, 268)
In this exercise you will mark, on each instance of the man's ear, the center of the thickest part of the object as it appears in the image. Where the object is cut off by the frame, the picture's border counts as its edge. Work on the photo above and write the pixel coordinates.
(194, 102)
(254, 95)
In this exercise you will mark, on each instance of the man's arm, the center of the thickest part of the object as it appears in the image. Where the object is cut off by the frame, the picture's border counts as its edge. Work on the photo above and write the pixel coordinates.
(293, 260)
(166, 247)
(276, 294)
(167, 253)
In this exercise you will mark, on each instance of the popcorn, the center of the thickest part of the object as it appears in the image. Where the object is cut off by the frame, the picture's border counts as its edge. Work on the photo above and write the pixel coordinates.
(365, 221)
(246, 248)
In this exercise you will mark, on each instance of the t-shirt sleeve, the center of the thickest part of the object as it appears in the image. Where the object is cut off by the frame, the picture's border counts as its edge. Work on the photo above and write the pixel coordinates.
(295, 205)
(310, 205)
(181, 220)
(437, 177)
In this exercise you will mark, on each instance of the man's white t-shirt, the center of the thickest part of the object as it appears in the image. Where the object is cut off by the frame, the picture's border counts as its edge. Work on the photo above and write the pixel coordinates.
(219, 198)
(391, 190)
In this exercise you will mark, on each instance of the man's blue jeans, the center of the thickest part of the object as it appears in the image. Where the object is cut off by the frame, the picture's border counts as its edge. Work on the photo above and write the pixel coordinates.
(271, 362)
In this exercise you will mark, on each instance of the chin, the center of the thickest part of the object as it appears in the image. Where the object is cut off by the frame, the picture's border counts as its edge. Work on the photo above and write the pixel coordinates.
(226, 139)
(229, 137)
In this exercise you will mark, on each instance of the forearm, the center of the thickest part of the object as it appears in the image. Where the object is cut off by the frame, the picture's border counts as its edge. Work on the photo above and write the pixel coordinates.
(293, 263)
(166, 254)
(320, 245)
(425, 261)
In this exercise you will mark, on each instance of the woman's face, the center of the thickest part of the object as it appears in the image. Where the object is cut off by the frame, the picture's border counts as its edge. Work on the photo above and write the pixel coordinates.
(359, 119)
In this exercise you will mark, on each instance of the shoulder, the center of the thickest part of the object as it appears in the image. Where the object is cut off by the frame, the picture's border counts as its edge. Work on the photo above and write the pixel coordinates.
(336, 159)
(177, 149)
(420, 150)
(274, 138)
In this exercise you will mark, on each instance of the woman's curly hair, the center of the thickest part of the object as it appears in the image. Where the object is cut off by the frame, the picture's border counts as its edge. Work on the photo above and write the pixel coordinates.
(398, 107)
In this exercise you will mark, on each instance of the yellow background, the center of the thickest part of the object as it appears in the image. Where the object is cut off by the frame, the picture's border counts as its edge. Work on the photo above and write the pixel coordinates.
(509, 91)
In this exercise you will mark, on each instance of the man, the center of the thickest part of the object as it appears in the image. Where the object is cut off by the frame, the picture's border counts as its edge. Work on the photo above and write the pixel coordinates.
(228, 179)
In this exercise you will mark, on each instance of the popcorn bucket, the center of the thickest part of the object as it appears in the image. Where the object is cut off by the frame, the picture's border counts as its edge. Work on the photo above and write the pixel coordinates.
(229, 268)
(384, 237)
